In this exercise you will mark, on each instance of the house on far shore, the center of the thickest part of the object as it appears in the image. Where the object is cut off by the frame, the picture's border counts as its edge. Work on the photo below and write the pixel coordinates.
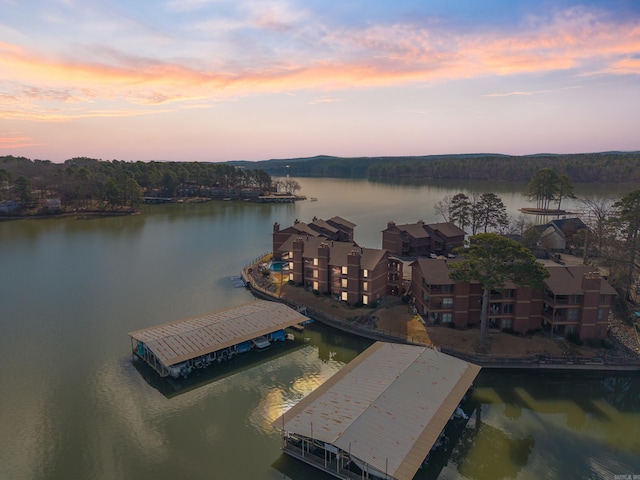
(350, 273)
(54, 204)
(575, 301)
(422, 239)
(9, 206)
(336, 229)
(558, 234)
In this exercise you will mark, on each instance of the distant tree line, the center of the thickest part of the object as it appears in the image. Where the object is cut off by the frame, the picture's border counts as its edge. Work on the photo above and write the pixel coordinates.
(90, 183)
(613, 167)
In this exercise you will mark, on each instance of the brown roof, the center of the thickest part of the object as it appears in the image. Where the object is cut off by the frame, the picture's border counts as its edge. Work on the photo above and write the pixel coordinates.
(447, 229)
(323, 225)
(567, 280)
(343, 222)
(300, 227)
(338, 251)
(416, 230)
(434, 270)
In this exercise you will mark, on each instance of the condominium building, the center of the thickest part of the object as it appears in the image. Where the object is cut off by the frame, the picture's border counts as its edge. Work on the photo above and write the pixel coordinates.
(422, 239)
(575, 300)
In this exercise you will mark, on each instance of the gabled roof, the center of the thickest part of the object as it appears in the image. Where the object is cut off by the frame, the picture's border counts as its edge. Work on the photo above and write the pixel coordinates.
(434, 270)
(569, 226)
(321, 224)
(386, 408)
(342, 222)
(175, 342)
(448, 229)
(338, 251)
(416, 230)
(567, 280)
(300, 228)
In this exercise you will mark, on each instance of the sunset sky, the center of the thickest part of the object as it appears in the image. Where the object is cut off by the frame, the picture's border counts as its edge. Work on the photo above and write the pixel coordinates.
(215, 80)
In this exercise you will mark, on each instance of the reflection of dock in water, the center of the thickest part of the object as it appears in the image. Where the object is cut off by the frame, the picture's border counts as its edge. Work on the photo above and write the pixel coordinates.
(170, 387)
(178, 348)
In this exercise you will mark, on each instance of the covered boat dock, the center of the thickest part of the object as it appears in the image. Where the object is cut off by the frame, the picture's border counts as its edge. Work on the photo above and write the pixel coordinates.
(383, 412)
(177, 348)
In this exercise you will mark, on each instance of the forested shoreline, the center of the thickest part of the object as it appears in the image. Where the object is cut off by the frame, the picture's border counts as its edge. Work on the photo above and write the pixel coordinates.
(610, 167)
(86, 184)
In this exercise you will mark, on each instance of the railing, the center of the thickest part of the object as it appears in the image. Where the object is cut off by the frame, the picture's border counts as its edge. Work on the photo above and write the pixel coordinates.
(538, 360)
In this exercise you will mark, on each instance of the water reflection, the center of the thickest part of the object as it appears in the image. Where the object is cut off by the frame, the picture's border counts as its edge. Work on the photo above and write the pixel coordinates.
(552, 425)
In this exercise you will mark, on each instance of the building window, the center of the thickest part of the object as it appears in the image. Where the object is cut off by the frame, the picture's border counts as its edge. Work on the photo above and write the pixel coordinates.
(574, 315)
(343, 296)
(447, 317)
(365, 300)
(600, 314)
(575, 299)
(343, 282)
(315, 262)
(507, 308)
(315, 274)
(603, 299)
(290, 254)
(572, 330)
(344, 270)
(447, 302)
(506, 323)
(290, 265)
(365, 273)
(509, 293)
(315, 285)
(365, 285)
(447, 288)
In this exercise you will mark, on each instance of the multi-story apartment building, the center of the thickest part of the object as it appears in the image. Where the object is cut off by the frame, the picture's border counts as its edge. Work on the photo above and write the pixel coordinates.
(336, 229)
(422, 239)
(343, 269)
(576, 300)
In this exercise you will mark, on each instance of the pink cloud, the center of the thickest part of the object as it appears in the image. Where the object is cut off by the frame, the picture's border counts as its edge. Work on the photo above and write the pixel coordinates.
(377, 55)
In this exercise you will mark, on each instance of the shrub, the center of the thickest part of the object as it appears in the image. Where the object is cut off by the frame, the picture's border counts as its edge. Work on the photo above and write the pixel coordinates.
(451, 325)
(509, 330)
(594, 342)
(406, 298)
(606, 344)
(574, 338)
(373, 304)
(358, 304)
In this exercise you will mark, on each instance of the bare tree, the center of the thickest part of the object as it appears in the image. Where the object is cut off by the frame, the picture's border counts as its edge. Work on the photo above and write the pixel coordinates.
(443, 208)
(595, 212)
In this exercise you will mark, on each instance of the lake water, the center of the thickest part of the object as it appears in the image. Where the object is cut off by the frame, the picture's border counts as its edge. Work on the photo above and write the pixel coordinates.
(73, 405)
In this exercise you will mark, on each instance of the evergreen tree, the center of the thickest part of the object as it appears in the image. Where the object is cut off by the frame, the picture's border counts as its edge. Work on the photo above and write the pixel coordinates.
(493, 260)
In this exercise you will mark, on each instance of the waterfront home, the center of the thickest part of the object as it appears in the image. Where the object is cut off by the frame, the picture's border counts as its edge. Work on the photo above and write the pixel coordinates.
(336, 229)
(422, 239)
(558, 234)
(575, 301)
(351, 273)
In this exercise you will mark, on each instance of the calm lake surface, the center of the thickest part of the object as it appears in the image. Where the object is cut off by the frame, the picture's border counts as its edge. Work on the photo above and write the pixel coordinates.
(73, 405)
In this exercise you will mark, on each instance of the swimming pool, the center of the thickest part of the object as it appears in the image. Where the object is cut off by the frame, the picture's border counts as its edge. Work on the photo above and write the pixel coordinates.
(278, 266)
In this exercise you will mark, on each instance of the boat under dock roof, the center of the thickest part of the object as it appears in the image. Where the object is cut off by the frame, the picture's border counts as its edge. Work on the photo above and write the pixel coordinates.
(175, 342)
(384, 410)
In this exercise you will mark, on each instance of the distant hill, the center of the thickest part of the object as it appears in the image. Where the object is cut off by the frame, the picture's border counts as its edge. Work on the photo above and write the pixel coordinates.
(614, 167)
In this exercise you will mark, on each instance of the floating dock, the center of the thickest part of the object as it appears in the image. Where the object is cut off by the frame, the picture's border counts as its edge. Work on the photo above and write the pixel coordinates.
(380, 415)
(177, 348)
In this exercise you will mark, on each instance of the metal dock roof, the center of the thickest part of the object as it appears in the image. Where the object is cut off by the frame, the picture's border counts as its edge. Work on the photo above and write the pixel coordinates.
(175, 342)
(387, 407)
